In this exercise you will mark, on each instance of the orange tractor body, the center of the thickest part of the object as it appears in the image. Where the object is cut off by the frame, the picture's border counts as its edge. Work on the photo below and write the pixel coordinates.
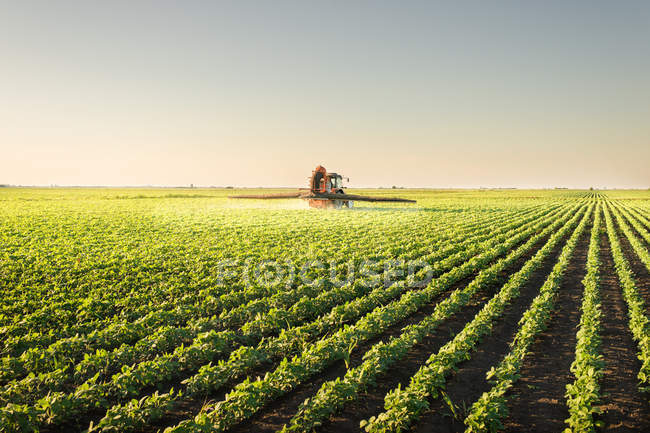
(322, 182)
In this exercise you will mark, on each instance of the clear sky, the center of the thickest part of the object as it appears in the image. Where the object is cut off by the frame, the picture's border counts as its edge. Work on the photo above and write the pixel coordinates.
(433, 94)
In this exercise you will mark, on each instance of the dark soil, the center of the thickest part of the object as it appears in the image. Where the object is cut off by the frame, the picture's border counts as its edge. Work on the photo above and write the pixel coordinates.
(634, 230)
(372, 402)
(469, 382)
(280, 411)
(189, 408)
(625, 409)
(641, 274)
(538, 401)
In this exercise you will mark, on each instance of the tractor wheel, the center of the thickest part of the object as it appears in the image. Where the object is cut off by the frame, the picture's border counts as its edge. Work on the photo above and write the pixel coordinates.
(347, 203)
(338, 204)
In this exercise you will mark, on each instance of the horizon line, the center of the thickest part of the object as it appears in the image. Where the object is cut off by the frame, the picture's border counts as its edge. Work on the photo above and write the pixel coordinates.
(229, 187)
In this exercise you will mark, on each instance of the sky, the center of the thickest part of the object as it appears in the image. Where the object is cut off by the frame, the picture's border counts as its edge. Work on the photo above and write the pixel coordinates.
(257, 93)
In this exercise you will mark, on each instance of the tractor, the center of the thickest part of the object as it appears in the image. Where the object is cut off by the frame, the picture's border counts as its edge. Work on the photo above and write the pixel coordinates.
(325, 192)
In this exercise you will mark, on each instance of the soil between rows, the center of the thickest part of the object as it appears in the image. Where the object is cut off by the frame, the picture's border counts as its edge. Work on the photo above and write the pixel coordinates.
(625, 409)
(372, 402)
(279, 412)
(469, 382)
(188, 408)
(641, 274)
(537, 399)
(634, 217)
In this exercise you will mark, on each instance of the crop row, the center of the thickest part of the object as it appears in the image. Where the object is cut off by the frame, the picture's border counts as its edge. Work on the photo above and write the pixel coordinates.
(635, 221)
(487, 413)
(403, 406)
(639, 215)
(637, 320)
(167, 283)
(92, 393)
(333, 395)
(212, 377)
(249, 396)
(168, 337)
(583, 394)
(640, 250)
(239, 306)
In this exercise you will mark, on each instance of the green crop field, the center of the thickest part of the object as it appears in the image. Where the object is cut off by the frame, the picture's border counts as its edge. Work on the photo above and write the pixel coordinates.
(180, 310)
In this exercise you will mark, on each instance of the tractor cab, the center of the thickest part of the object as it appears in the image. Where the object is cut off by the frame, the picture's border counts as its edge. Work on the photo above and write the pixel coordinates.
(335, 181)
(324, 182)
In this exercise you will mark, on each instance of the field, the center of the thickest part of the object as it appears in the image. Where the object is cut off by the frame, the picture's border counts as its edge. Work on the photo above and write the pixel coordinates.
(179, 310)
